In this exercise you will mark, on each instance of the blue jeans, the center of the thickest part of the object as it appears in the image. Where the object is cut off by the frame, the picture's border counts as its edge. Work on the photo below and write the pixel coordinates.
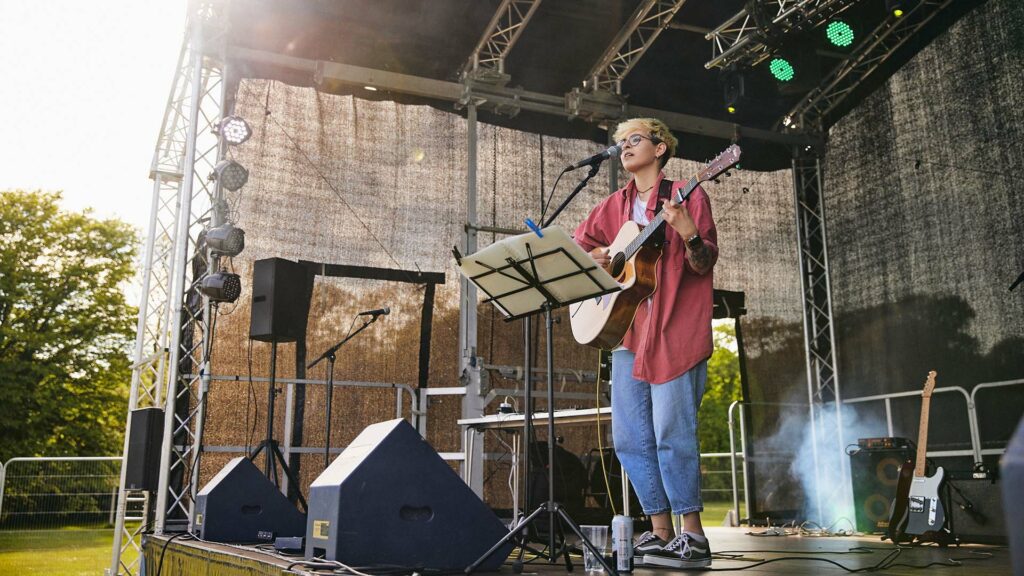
(654, 427)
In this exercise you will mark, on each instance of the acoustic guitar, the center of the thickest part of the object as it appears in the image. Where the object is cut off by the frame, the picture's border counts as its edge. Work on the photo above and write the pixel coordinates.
(602, 322)
(917, 509)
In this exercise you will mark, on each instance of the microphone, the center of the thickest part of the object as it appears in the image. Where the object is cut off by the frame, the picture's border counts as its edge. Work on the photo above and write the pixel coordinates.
(613, 150)
(378, 312)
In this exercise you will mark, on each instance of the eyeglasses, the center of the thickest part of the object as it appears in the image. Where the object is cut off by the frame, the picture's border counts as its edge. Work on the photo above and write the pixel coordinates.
(635, 140)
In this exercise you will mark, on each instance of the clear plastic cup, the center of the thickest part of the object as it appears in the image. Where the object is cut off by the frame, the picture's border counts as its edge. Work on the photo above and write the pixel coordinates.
(598, 536)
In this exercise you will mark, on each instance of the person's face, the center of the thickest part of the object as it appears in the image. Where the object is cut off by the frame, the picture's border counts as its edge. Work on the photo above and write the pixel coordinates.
(639, 151)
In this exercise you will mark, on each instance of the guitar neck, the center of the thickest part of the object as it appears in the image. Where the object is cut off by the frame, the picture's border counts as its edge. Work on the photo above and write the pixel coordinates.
(656, 222)
(922, 438)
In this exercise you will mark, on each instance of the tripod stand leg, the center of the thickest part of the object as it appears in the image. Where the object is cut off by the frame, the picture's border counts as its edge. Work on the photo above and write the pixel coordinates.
(506, 539)
(291, 477)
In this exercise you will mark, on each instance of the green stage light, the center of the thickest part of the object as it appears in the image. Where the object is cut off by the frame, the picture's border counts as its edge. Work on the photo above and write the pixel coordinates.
(781, 69)
(839, 33)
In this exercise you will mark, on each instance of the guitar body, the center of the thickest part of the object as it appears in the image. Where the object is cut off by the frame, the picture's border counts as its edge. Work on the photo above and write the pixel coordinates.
(899, 510)
(925, 511)
(602, 322)
(917, 512)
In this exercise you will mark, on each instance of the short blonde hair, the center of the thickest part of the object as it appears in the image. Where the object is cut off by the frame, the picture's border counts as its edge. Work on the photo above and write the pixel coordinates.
(657, 130)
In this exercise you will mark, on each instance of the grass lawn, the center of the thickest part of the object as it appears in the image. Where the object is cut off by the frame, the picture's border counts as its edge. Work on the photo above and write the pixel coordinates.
(68, 552)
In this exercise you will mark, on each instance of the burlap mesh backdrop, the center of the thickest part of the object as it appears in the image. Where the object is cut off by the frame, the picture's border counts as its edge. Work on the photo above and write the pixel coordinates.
(341, 180)
(926, 231)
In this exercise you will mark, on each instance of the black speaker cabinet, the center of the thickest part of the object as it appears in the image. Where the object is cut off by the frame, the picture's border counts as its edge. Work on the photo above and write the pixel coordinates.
(389, 499)
(280, 300)
(239, 502)
(875, 473)
(142, 465)
(975, 508)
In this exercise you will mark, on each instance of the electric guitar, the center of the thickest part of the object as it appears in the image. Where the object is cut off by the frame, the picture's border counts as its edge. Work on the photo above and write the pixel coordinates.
(603, 321)
(917, 509)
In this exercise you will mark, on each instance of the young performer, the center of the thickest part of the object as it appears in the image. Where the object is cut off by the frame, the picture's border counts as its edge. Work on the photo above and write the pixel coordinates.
(658, 373)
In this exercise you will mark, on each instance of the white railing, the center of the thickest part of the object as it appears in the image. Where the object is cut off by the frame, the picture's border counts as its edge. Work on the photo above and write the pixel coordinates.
(971, 406)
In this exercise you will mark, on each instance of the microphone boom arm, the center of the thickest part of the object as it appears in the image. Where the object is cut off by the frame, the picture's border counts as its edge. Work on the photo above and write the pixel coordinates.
(330, 352)
(583, 183)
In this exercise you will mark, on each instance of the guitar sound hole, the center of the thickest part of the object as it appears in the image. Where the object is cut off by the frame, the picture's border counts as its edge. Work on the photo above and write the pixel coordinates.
(617, 265)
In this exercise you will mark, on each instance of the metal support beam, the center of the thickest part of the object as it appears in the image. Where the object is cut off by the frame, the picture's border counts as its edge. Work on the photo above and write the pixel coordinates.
(172, 325)
(823, 390)
(745, 39)
(812, 112)
(648, 21)
(469, 362)
(575, 103)
(487, 62)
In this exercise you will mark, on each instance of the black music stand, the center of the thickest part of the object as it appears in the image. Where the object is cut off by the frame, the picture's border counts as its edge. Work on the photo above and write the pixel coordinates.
(523, 276)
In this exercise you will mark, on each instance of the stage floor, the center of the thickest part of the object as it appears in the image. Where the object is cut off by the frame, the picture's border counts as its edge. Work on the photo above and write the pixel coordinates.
(734, 549)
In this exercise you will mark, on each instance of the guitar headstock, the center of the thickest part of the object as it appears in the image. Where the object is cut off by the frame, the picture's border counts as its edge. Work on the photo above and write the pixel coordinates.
(929, 385)
(727, 159)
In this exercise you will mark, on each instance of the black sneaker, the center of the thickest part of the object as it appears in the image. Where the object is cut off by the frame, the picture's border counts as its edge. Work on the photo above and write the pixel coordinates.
(681, 552)
(645, 544)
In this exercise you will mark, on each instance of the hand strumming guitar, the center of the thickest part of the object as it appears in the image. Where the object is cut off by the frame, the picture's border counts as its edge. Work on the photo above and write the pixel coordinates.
(600, 255)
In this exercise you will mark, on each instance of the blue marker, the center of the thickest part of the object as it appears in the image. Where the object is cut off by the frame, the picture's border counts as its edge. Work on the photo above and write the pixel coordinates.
(533, 226)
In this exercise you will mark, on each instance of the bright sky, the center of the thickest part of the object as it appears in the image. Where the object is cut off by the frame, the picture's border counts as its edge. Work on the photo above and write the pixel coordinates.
(83, 87)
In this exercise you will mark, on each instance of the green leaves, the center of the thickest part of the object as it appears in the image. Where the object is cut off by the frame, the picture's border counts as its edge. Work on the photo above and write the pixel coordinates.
(65, 328)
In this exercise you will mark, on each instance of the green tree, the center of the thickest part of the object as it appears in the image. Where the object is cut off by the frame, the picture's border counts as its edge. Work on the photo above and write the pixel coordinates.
(721, 389)
(65, 328)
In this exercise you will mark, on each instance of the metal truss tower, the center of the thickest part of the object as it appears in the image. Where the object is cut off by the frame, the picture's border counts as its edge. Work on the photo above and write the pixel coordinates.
(823, 391)
(171, 366)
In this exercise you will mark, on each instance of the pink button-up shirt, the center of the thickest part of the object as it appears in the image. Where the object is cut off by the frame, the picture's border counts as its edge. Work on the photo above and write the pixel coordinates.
(671, 332)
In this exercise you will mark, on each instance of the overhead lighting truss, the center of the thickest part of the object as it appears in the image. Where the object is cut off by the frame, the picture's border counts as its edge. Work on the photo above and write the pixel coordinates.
(648, 21)
(811, 113)
(487, 62)
(746, 39)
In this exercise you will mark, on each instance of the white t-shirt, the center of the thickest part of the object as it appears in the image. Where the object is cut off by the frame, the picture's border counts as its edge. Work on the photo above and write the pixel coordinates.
(640, 217)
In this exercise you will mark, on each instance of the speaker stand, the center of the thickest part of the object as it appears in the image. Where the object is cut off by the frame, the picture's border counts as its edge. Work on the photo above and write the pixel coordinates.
(274, 455)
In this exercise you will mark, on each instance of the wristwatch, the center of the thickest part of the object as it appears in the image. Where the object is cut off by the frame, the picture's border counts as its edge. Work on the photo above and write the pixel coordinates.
(694, 241)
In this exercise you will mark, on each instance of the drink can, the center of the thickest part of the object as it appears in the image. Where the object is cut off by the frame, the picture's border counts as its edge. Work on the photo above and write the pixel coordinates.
(622, 543)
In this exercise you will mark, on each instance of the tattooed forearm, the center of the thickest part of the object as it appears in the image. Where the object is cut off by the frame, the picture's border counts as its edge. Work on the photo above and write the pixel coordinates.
(700, 258)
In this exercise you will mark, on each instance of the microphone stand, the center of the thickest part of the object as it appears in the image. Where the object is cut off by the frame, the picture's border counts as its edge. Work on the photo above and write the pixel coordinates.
(583, 184)
(330, 356)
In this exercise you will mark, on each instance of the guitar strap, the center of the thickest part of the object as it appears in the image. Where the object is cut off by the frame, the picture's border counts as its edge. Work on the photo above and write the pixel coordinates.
(664, 193)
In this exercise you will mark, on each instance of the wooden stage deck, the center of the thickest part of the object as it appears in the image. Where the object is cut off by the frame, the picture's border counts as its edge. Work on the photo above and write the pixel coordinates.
(734, 549)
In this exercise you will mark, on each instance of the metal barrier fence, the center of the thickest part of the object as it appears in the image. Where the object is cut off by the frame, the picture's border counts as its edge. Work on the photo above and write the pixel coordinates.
(47, 493)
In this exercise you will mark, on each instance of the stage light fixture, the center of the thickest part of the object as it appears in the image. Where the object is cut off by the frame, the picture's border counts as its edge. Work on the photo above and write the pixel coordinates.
(226, 240)
(221, 287)
(898, 7)
(231, 174)
(235, 130)
(781, 69)
(839, 33)
(734, 89)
